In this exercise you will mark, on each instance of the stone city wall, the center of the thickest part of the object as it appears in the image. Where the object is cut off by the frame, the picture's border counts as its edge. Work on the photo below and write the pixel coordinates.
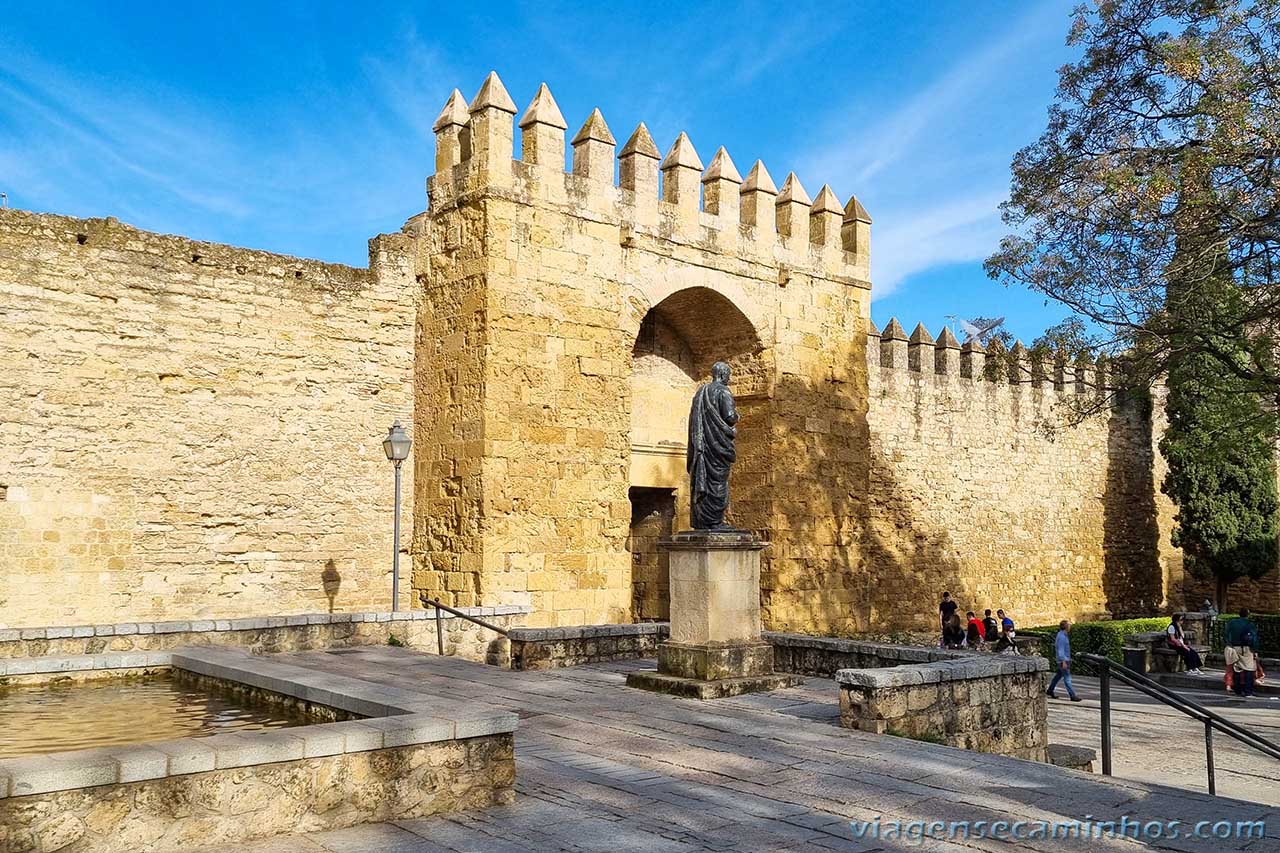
(982, 486)
(992, 704)
(549, 297)
(194, 429)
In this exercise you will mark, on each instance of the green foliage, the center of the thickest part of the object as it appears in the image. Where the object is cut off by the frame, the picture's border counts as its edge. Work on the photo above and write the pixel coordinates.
(1268, 632)
(1221, 465)
(393, 640)
(1098, 638)
(1172, 107)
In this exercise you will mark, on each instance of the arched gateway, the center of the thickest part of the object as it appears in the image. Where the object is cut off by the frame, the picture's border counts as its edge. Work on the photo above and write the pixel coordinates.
(564, 324)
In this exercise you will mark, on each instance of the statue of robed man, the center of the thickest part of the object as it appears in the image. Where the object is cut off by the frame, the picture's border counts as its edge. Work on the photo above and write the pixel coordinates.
(710, 451)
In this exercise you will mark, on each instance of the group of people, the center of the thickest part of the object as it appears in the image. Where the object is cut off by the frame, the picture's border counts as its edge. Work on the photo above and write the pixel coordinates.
(1243, 668)
(974, 633)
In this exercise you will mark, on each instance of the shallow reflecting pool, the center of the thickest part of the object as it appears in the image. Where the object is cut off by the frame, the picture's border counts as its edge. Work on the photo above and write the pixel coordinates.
(53, 718)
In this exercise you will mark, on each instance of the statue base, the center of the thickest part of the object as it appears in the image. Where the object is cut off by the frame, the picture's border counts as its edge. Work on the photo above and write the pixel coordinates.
(715, 647)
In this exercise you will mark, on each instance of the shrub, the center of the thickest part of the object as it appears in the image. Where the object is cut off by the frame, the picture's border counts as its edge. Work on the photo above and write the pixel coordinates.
(1098, 638)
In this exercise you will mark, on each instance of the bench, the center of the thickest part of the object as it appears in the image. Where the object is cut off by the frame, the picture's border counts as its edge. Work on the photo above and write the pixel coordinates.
(1149, 651)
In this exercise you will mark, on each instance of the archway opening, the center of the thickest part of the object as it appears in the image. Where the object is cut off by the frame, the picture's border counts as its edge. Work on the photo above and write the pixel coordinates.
(678, 341)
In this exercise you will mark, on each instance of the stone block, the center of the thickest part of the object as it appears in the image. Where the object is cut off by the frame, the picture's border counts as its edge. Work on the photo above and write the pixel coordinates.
(713, 661)
(186, 755)
(136, 763)
(485, 724)
(40, 774)
(239, 750)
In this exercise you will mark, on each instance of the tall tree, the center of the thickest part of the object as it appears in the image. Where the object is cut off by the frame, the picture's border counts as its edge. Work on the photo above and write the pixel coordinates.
(1093, 201)
(1220, 452)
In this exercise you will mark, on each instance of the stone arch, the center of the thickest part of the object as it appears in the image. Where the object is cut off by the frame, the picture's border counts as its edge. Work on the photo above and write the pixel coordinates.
(675, 341)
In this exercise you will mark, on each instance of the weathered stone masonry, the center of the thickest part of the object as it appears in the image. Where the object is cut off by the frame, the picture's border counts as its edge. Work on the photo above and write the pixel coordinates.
(192, 430)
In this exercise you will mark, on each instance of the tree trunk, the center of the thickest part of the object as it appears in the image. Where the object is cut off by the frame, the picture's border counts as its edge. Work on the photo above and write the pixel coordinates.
(1221, 594)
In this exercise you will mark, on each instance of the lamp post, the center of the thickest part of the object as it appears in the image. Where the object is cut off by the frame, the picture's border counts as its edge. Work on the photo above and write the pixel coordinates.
(396, 445)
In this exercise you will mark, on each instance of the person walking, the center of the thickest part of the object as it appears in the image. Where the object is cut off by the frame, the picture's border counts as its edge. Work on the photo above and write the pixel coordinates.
(1241, 653)
(1062, 652)
(1178, 642)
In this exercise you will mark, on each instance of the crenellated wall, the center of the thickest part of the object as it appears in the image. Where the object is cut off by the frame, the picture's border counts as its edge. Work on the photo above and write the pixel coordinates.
(993, 491)
(193, 430)
(541, 285)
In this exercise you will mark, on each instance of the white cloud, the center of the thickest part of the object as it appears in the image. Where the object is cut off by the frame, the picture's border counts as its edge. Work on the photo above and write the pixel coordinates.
(953, 231)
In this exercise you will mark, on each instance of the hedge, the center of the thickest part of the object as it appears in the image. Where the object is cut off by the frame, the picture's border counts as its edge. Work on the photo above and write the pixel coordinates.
(1098, 638)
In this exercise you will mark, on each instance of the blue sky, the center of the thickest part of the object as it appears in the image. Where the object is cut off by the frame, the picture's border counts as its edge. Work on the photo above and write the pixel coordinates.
(305, 128)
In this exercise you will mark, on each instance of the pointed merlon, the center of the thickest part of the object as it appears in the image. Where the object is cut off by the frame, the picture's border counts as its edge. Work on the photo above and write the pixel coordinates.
(454, 113)
(973, 345)
(855, 212)
(641, 143)
(920, 335)
(722, 169)
(758, 180)
(594, 128)
(494, 95)
(826, 202)
(543, 109)
(793, 192)
(893, 331)
(947, 340)
(1017, 350)
(683, 154)
(872, 330)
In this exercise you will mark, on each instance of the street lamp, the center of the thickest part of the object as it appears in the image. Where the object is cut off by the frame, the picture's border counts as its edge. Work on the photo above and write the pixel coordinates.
(396, 445)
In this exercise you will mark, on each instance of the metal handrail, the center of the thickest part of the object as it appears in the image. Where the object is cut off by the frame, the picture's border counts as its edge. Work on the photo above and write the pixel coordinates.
(435, 602)
(1193, 709)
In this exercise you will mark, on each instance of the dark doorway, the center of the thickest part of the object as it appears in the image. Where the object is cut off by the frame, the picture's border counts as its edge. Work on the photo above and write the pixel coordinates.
(653, 512)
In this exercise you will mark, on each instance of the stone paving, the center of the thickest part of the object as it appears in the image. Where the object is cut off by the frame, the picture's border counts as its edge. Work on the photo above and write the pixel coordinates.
(604, 767)
(1153, 741)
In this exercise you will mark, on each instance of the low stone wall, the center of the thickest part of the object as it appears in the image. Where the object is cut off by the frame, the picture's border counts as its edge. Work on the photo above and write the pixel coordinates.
(984, 703)
(405, 755)
(236, 804)
(271, 634)
(825, 656)
(549, 648)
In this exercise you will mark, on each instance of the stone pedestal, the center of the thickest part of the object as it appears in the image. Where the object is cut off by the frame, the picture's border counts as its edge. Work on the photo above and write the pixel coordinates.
(715, 647)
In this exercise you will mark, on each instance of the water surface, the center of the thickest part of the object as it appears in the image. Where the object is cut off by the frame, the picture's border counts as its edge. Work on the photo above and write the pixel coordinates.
(45, 718)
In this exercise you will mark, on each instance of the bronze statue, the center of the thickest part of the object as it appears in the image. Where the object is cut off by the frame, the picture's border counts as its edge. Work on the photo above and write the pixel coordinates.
(710, 451)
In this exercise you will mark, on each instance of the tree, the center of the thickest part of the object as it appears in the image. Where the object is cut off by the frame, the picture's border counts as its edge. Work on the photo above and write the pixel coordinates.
(1220, 453)
(1161, 84)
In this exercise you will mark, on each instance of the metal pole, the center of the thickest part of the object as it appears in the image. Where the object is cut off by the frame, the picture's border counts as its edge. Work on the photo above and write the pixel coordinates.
(439, 628)
(1105, 684)
(395, 554)
(1208, 754)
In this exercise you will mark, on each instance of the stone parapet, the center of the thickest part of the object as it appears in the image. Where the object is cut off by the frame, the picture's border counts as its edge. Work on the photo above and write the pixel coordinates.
(412, 755)
(265, 634)
(551, 648)
(984, 703)
(824, 656)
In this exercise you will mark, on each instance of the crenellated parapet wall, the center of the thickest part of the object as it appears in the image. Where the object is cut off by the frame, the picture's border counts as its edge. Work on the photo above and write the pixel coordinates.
(1021, 482)
(672, 197)
(568, 314)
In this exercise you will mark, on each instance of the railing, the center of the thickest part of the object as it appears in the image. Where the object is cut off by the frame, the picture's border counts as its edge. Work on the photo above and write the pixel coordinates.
(1107, 668)
(435, 602)
(1268, 626)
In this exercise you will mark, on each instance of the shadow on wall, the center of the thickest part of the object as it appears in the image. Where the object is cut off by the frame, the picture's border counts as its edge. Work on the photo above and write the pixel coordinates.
(813, 578)
(1131, 578)
(911, 560)
(330, 581)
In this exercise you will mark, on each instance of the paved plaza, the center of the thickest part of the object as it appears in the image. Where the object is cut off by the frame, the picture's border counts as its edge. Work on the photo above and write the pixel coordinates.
(604, 767)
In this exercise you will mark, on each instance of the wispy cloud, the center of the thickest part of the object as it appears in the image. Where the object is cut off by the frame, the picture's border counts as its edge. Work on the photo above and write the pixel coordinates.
(930, 171)
(349, 165)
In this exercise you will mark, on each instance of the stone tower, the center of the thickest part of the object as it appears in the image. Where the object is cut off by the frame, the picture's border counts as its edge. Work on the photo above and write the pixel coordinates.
(565, 318)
